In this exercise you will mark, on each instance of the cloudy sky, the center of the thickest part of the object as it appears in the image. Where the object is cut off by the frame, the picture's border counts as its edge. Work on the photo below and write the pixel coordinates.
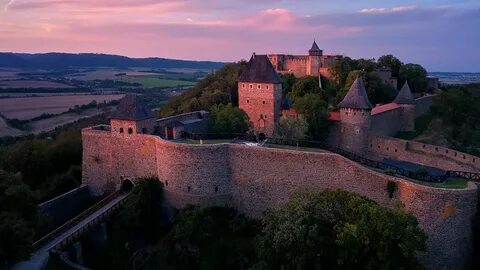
(442, 35)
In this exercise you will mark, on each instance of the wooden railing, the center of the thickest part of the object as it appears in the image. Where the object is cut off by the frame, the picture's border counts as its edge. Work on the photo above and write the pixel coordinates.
(72, 222)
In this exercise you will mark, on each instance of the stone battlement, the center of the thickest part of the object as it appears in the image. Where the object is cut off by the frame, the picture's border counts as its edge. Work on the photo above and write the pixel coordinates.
(238, 175)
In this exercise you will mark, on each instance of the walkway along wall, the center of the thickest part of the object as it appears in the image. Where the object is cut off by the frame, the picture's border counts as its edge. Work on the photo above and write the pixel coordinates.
(422, 153)
(256, 179)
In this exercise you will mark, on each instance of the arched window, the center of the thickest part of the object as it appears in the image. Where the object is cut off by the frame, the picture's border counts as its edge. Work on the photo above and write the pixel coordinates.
(130, 130)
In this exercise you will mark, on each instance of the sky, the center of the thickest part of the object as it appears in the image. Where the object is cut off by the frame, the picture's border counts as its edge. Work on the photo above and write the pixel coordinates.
(441, 35)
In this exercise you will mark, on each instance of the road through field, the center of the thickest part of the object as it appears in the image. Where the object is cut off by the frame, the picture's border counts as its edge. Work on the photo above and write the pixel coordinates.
(30, 107)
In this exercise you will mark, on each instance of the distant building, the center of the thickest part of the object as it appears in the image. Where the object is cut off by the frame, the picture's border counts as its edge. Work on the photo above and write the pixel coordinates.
(313, 64)
(387, 78)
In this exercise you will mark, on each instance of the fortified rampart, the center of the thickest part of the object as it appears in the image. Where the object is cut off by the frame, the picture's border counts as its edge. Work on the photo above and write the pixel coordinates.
(423, 104)
(422, 153)
(255, 179)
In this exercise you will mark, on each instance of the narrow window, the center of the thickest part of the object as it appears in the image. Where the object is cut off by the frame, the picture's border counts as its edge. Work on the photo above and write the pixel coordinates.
(388, 148)
(248, 101)
(267, 86)
(166, 183)
(396, 150)
(251, 86)
(436, 149)
(243, 85)
(259, 86)
(371, 145)
(216, 189)
(121, 130)
(464, 157)
(446, 151)
(130, 131)
(188, 188)
(424, 146)
(263, 102)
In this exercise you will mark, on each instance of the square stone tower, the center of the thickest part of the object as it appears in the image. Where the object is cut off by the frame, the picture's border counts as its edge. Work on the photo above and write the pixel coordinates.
(260, 94)
(132, 117)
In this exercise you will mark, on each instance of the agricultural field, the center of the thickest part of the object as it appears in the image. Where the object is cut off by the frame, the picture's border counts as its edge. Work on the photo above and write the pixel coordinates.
(49, 124)
(150, 81)
(32, 84)
(31, 107)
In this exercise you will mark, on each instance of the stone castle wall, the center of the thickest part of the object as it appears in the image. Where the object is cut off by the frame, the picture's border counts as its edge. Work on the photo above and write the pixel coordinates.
(256, 179)
(422, 105)
(386, 123)
(422, 153)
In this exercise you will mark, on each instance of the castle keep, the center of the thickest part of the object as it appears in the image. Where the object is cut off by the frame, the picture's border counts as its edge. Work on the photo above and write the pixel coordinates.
(255, 179)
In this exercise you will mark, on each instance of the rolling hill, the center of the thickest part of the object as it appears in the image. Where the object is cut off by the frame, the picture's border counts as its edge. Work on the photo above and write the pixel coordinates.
(60, 61)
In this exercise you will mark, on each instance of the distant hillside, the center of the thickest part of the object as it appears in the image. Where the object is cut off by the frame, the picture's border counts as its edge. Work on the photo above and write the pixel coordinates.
(53, 61)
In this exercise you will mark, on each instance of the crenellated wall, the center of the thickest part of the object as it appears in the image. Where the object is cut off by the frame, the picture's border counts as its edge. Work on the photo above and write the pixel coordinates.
(422, 153)
(254, 179)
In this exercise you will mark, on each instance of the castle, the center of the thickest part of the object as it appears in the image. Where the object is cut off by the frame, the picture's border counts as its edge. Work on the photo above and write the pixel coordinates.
(255, 179)
(314, 64)
(260, 96)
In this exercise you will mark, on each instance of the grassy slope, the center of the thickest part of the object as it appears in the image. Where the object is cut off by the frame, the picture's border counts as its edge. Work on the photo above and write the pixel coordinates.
(147, 81)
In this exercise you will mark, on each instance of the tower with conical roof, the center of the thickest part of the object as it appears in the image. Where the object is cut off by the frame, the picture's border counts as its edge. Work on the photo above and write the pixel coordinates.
(260, 94)
(132, 116)
(314, 62)
(355, 117)
(406, 102)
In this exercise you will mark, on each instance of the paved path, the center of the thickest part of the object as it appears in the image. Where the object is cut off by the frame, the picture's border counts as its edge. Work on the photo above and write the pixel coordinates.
(39, 258)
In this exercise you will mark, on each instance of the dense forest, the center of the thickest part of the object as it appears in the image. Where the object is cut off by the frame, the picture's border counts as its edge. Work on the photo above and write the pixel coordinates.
(454, 120)
(62, 61)
(317, 230)
(33, 170)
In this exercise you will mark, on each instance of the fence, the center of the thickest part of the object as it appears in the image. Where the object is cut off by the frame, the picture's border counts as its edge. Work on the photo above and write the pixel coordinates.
(72, 222)
(417, 175)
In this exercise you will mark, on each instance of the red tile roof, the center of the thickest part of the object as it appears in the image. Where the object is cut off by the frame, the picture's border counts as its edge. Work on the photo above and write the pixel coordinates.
(334, 116)
(384, 108)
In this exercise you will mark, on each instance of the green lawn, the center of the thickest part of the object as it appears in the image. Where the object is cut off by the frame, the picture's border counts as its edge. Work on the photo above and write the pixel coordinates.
(149, 81)
(454, 183)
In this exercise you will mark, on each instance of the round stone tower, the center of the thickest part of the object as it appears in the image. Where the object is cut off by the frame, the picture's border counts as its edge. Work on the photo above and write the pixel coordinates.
(355, 117)
(407, 108)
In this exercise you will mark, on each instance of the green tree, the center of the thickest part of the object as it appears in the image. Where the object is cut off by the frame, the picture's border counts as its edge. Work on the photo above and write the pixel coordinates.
(315, 110)
(291, 127)
(459, 110)
(377, 91)
(18, 218)
(220, 87)
(228, 119)
(341, 68)
(211, 238)
(144, 208)
(416, 76)
(390, 61)
(288, 80)
(305, 85)
(338, 230)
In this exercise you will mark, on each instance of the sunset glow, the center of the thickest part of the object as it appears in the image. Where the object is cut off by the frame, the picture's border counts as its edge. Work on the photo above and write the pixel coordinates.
(441, 35)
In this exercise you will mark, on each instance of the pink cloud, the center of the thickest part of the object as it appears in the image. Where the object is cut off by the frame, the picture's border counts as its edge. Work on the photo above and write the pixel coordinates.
(388, 10)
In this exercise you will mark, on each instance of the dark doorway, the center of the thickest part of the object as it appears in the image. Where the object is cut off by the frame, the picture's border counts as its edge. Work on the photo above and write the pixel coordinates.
(127, 185)
(262, 137)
